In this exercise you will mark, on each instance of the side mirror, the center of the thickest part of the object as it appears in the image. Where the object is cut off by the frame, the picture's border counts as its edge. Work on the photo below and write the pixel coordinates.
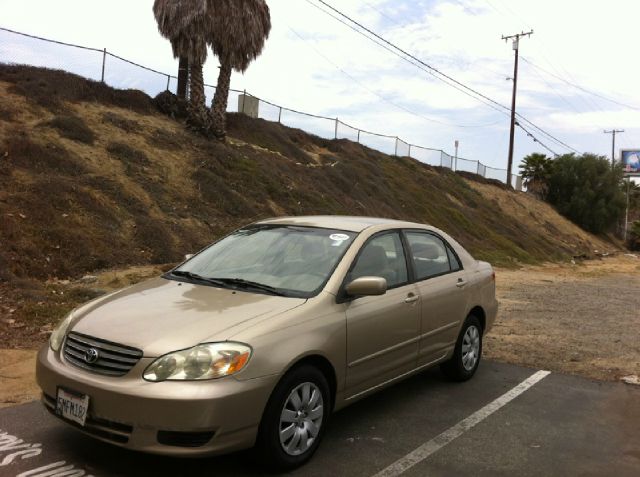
(188, 256)
(367, 286)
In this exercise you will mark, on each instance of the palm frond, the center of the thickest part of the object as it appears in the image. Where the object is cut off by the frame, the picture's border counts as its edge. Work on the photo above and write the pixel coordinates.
(239, 30)
(185, 24)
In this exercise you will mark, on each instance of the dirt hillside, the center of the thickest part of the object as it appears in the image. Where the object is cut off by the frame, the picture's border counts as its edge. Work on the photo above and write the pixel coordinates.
(94, 178)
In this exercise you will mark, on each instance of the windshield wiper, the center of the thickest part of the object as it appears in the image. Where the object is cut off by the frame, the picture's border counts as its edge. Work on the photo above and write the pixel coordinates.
(241, 282)
(226, 282)
(195, 276)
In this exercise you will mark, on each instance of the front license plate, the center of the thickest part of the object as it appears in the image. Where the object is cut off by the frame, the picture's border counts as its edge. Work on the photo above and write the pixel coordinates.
(72, 406)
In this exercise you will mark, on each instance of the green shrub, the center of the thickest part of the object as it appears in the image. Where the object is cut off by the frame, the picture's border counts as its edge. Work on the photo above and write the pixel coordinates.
(587, 190)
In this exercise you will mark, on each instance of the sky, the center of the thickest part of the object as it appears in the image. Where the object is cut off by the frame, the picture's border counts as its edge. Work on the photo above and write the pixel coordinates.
(313, 63)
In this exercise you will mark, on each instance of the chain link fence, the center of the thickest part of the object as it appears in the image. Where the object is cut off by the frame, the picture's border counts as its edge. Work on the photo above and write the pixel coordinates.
(118, 72)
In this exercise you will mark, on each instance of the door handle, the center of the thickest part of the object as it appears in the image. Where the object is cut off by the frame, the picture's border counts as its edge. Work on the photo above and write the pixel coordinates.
(461, 283)
(411, 298)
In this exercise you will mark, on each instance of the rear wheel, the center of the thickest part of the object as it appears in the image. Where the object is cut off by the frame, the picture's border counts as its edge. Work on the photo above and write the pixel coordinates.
(295, 418)
(468, 351)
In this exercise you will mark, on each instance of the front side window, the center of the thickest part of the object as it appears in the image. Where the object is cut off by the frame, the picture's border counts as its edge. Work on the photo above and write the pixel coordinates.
(382, 256)
(284, 259)
(429, 254)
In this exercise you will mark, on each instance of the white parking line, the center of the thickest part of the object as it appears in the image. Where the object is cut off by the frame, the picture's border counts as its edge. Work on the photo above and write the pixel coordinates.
(425, 450)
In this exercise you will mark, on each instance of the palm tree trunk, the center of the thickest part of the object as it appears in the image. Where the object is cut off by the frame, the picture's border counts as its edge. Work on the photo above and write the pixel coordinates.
(196, 87)
(219, 104)
(183, 77)
(199, 117)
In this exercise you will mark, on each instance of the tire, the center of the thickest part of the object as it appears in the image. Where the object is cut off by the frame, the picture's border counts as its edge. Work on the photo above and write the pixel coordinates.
(276, 445)
(462, 366)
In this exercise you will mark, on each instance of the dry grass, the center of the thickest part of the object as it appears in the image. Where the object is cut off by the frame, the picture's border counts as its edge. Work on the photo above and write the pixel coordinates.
(72, 127)
(17, 379)
(579, 319)
(524, 208)
(53, 89)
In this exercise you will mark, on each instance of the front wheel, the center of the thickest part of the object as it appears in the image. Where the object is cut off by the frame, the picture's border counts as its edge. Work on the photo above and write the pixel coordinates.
(295, 419)
(468, 351)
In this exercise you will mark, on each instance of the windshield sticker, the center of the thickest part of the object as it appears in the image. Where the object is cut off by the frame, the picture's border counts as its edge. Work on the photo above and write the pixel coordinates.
(339, 237)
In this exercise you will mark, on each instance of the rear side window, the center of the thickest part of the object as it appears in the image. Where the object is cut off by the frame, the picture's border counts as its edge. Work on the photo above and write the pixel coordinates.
(453, 260)
(430, 255)
(382, 256)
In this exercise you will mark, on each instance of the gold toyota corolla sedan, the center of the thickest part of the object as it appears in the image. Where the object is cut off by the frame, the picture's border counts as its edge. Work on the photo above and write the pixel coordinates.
(258, 338)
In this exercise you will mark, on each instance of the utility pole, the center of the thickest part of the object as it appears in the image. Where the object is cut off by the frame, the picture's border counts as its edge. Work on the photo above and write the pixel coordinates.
(516, 42)
(613, 133)
(626, 213)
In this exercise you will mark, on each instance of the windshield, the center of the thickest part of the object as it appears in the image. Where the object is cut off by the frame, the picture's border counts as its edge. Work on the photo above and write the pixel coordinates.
(284, 260)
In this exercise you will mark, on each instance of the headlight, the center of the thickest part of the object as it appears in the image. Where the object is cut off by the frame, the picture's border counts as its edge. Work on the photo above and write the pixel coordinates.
(205, 361)
(57, 337)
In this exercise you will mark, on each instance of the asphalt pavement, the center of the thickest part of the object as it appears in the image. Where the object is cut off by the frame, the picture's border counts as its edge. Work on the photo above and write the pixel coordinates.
(425, 426)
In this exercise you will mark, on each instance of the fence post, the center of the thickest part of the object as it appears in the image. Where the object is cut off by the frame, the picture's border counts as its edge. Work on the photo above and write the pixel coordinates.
(358, 136)
(168, 81)
(336, 132)
(104, 59)
(280, 115)
(441, 158)
(396, 153)
(478, 168)
(409, 150)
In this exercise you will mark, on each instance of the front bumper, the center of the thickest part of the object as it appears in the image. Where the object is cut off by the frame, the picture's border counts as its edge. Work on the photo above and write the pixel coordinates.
(194, 418)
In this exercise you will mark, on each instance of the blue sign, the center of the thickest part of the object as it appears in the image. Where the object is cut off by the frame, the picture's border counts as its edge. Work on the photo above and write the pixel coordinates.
(631, 160)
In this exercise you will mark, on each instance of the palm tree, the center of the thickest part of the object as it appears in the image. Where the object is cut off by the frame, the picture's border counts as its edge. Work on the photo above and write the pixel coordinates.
(184, 23)
(239, 31)
(536, 169)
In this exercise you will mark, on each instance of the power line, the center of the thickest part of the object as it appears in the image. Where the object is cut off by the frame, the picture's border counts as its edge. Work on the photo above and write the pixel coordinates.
(512, 13)
(589, 103)
(581, 88)
(536, 140)
(545, 133)
(558, 95)
(433, 71)
(417, 65)
(375, 93)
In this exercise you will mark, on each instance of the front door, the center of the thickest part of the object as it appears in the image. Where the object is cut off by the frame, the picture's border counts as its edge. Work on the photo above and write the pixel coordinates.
(382, 331)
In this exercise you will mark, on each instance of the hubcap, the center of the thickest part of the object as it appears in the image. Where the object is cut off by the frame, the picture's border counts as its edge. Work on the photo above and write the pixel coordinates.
(470, 348)
(301, 419)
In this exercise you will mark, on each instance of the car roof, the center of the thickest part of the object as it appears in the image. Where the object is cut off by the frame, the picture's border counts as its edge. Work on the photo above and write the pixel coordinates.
(340, 222)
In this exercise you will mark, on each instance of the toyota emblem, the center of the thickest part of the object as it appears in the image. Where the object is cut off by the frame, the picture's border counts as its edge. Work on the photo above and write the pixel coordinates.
(91, 355)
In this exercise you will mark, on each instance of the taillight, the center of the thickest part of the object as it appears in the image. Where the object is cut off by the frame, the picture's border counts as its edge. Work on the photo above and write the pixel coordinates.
(493, 276)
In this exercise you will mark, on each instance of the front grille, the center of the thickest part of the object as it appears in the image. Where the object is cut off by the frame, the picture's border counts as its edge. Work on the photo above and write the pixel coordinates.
(113, 359)
(184, 439)
(113, 431)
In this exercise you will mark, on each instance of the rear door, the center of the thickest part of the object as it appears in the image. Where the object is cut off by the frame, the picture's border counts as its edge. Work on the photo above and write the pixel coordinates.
(441, 283)
(382, 331)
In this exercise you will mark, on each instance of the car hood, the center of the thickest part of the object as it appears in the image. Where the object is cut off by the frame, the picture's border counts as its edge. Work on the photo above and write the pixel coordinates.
(160, 315)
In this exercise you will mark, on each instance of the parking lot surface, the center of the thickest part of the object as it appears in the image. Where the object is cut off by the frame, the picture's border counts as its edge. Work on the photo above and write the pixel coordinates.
(425, 426)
